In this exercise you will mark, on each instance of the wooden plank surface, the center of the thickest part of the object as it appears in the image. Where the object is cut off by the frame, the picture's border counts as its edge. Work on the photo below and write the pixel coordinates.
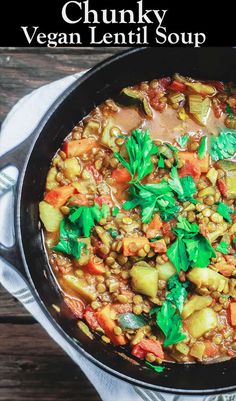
(32, 366)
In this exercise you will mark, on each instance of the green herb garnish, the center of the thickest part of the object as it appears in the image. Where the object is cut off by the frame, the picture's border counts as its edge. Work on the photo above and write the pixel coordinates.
(229, 112)
(68, 242)
(113, 233)
(167, 316)
(115, 211)
(184, 187)
(223, 247)
(156, 368)
(152, 198)
(191, 249)
(223, 146)
(202, 150)
(84, 218)
(182, 141)
(225, 211)
(161, 162)
(140, 148)
(155, 239)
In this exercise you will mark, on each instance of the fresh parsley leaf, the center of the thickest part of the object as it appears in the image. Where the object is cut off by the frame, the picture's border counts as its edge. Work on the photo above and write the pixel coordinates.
(84, 218)
(152, 198)
(113, 233)
(154, 310)
(223, 146)
(182, 141)
(140, 148)
(191, 249)
(178, 292)
(184, 187)
(223, 247)
(225, 211)
(202, 148)
(229, 112)
(155, 238)
(156, 368)
(170, 323)
(68, 242)
(175, 335)
(115, 211)
(161, 162)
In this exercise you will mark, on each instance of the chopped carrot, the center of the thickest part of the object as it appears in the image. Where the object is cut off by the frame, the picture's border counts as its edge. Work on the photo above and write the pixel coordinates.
(232, 313)
(57, 197)
(192, 159)
(104, 318)
(131, 245)
(141, 349)
(222, 187)
(78, 147)
(76, 306)
(154, 227)
(94, 267)
(211, 349)
(121, 175)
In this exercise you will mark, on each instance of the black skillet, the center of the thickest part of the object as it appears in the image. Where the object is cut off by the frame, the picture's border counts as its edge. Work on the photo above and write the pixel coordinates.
(33, 157)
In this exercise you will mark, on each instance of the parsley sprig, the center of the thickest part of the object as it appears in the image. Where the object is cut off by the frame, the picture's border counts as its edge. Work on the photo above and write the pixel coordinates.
(223, 146)
(168, 315)
(140, 148)
(225, 211)
(191, 249)
(153, 198)
(184, 187)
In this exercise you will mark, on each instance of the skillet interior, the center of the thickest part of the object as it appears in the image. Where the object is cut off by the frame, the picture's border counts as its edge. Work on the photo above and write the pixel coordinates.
(99, 84)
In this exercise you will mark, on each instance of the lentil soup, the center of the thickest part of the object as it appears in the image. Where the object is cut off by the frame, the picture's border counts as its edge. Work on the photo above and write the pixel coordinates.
(139, 221)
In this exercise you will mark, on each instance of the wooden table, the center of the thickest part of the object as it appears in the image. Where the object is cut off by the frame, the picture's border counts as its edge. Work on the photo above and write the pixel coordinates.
(32, 366)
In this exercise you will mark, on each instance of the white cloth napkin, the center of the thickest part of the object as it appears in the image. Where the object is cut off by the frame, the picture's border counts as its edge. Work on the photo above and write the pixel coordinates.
(18, 125)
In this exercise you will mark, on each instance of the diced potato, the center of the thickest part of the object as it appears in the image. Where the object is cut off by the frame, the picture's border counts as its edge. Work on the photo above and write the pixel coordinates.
(197, 350)
(217, 233)
(91, 129)
(208, 278)
(51, 181)
(212, 175)
(165, 271)
(182, 348)
(50, 216)
(80, 286)
(231, 184)
(144, 279)
(200, 322)
(71, 168)
(196, 302)
(206, 192)
(232, 229)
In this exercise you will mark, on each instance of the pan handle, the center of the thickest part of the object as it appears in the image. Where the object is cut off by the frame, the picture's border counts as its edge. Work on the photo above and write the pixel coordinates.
(15, 157)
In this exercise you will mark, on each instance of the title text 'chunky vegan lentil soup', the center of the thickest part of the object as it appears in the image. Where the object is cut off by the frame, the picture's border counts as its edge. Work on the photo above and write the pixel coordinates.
(140, 225)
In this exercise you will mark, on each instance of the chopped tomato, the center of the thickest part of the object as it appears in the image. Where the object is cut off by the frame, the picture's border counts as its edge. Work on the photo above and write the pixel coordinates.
(193, 165)
(100, 200)
(57, 197)
(222, 186)
(90, 317)
(97, 176)
(79, 200)
(144, 346)
(159, 246)
(94, 267)
(232, 313)
(154, 227)
(78, 147)
(190, 168)
(76, 306)
(177, 86)
(104, 318)
(166, 229)
(131, 245)
(121, 175)
(211, 349)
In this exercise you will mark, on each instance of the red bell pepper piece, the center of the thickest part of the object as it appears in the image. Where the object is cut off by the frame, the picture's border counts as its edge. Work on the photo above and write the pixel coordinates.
(141, 349)
(90, 317)
(177, 86)
(59, 196)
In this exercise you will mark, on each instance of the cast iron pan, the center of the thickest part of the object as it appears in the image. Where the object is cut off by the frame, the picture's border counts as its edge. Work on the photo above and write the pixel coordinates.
(33, 157)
